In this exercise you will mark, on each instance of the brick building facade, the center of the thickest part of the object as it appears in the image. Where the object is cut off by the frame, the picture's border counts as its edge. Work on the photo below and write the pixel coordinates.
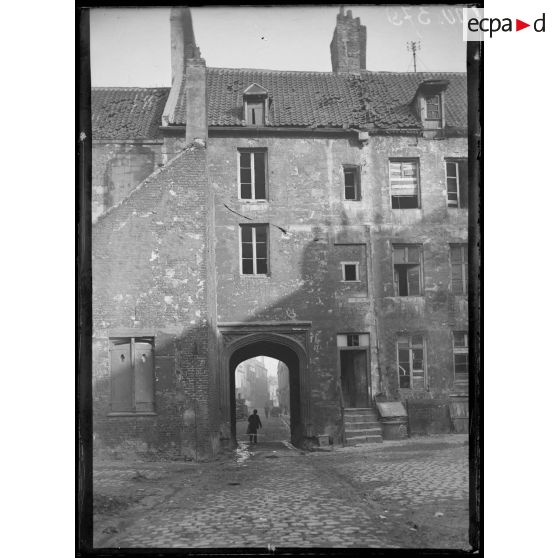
(316, 218)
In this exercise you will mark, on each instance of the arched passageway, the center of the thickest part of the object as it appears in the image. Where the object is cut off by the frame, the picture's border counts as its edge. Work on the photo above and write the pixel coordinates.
(291, 359)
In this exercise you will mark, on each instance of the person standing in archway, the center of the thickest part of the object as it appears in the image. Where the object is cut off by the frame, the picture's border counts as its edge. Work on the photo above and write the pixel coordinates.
(266, 408)
(254, 423)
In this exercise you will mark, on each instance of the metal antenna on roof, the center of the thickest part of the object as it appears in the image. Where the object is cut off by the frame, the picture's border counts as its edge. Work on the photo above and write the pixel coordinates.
(413, 46)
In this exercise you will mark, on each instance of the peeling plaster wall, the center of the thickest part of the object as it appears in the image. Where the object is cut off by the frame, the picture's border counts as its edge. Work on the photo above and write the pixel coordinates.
(305, 182)
(305, 198)
(150, 257)
(435, 226)
(118, 167)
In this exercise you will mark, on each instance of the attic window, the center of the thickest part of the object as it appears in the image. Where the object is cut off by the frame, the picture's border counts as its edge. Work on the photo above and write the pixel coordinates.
(255, 105)
(433, 108)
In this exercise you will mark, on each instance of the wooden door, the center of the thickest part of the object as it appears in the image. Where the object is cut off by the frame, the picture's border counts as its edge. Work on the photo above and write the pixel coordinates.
(354, 378)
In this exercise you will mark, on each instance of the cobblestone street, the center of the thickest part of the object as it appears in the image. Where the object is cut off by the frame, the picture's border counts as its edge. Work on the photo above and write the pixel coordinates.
(412, 493)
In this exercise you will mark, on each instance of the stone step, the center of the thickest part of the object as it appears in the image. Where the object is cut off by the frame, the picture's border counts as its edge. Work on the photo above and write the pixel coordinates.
(357, 410)
(364, 424)
(363, 432)
(361, 418)
(364, 440)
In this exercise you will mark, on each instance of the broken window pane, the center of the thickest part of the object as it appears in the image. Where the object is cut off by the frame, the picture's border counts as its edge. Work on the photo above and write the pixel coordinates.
(457, 184)
(403, 177)
(410, 362)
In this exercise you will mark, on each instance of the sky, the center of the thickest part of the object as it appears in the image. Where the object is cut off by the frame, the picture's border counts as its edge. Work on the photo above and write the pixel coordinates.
(131, 46)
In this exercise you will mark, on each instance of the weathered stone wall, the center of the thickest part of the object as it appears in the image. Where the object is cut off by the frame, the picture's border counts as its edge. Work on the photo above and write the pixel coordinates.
(305, 182)
(118, 167)
(150, 267)
(305, 198)
(438, 311)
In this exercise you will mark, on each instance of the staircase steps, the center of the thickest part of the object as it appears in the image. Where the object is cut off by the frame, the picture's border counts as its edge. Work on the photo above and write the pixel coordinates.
(362, 426)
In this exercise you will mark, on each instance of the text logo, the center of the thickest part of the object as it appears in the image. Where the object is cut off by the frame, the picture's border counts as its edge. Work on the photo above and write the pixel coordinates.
(475, 25)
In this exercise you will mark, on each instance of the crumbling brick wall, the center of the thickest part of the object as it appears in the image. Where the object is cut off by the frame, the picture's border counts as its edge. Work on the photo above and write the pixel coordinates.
(150, 257)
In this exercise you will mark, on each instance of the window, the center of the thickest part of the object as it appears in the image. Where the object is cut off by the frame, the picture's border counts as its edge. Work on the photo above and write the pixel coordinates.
(350, 271)
(407, 273)
(457, 183)
(132, 375)
(461, 358)
(410, 362)
(256, 100)
(404, 183)
(352, 183)
(255, 110)
(254, 249)
(433, 108)
(251, 174)
(459, 268)
(352, 340)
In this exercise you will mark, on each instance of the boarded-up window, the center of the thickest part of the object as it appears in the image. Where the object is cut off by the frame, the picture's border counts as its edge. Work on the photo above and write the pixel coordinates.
(461, 358)
(459, 268)
(404, 183)
(252, 175)
(255, 112)
(352, 182)
(132, 375)
(407, 269)
(411, 362)
(254, 249)
(457, 183)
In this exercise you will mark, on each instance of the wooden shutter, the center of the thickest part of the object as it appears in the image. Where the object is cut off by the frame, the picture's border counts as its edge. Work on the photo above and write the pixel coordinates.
(143, 367)
(121, 378)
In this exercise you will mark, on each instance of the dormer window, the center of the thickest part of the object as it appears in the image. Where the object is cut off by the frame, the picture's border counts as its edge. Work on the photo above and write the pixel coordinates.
(429, 102)
(433, 108)
(255, 105)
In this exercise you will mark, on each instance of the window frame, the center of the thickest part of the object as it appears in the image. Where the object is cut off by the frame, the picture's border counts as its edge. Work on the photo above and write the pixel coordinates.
(457, 161)
(357, 272)
(460, 350)
(426, 98)
(396, 289)
(116, 341)
(410, 347)
(355, 169)
(251, 152)
(464, 264)
(416, 162)
(254, 252)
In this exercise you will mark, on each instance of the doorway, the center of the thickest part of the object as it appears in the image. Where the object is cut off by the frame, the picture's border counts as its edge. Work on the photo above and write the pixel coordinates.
(354, 378)
(291, 363)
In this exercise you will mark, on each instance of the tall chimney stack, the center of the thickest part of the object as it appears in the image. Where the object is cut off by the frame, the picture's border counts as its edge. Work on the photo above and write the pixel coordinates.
(348, 46)
(188, 77)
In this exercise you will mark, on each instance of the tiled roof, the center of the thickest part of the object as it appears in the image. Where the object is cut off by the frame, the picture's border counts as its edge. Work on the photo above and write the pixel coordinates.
(328, 100)
(298, 99)
(127, 112)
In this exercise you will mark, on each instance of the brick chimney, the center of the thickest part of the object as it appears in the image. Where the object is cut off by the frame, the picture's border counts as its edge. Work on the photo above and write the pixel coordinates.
(348, 46)
(189, 75)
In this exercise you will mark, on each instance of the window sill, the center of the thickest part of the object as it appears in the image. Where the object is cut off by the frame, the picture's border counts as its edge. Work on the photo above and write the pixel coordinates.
(255, 276)
(132, 414)
(256, 202)
(350, 281)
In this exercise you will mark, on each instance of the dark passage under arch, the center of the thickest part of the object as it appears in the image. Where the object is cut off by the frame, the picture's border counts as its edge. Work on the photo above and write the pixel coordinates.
(291, 359)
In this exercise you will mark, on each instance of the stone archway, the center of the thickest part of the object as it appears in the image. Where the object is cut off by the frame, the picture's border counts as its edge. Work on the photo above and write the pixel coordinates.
(285, 342)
